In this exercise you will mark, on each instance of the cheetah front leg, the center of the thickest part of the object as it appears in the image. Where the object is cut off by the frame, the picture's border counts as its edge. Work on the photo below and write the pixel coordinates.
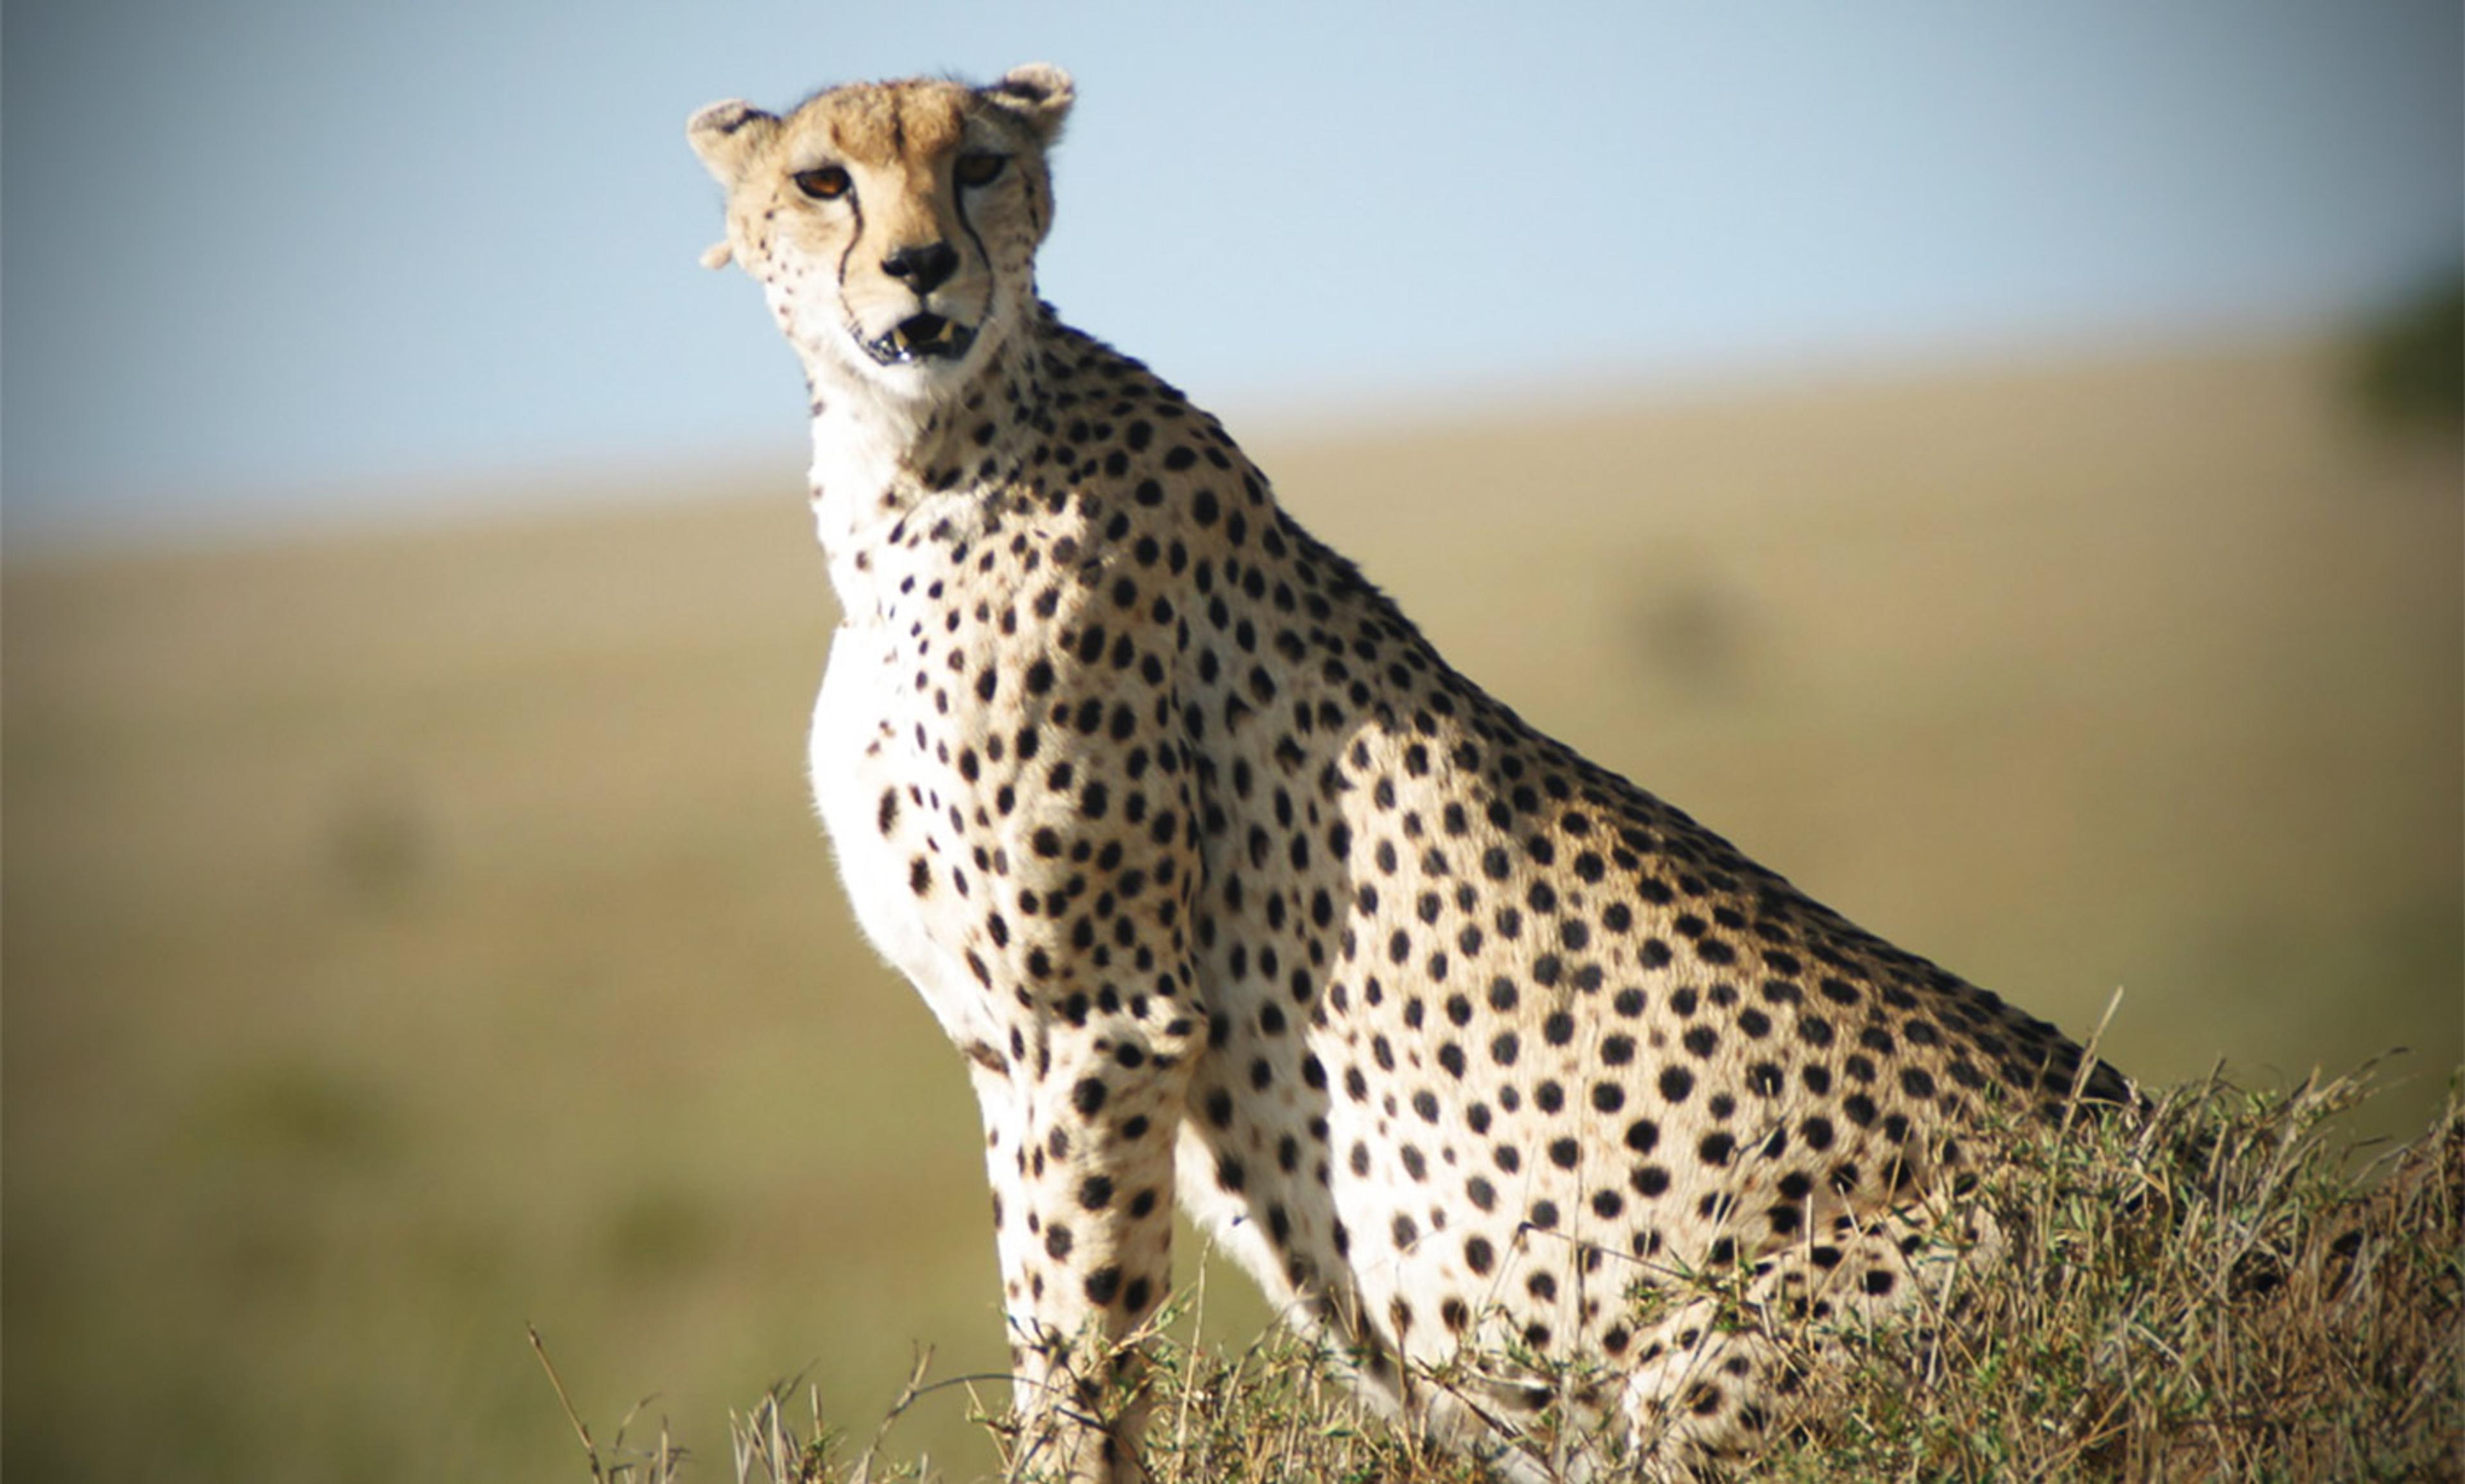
(1088, 976)
(1079, 1145)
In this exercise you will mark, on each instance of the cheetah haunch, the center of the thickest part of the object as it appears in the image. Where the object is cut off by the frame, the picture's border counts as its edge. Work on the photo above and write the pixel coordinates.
(1509, 1082)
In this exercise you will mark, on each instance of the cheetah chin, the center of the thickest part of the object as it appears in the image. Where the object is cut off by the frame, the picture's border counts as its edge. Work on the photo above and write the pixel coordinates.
(921, 338)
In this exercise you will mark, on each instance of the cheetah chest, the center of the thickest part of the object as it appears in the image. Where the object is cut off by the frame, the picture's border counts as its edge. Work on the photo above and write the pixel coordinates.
(879, 805)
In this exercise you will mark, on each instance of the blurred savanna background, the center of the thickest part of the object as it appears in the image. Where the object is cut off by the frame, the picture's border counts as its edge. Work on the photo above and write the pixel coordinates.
(2002, 468)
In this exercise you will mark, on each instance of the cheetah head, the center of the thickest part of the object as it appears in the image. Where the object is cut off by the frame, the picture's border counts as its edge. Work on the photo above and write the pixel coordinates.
(891, 226)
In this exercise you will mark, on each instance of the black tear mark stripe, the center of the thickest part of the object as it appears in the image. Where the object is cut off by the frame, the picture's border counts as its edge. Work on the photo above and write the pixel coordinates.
(855, 204)
(959, 204)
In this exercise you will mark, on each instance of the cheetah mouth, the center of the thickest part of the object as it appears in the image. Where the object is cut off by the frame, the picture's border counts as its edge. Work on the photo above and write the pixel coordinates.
(919, 338)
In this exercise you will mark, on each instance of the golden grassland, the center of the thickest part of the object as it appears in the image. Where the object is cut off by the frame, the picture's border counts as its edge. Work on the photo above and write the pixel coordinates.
(415, 935)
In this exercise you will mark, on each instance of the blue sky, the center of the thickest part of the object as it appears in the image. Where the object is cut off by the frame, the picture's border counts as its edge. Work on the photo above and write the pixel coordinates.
(273, 259)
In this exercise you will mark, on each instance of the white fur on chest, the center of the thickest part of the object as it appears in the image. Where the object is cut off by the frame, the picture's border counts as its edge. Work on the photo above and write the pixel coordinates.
(855, 462)
(865, 745)
(856, 758)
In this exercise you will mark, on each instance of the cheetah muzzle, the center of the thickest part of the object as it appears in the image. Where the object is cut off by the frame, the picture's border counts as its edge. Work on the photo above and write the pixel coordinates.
(1567, 1131)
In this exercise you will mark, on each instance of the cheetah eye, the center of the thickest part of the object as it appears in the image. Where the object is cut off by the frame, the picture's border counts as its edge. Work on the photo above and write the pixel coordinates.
(980, 167)
(827, 184)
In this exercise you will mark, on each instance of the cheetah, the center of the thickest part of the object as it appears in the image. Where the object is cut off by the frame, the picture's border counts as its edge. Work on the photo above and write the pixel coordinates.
(1534, 1103)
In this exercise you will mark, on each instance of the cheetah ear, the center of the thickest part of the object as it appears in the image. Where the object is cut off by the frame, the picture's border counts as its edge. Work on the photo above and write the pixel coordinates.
(728, 135)
(1039, 93)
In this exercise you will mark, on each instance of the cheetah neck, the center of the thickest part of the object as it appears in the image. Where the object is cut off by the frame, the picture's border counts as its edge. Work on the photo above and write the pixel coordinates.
(881, 460)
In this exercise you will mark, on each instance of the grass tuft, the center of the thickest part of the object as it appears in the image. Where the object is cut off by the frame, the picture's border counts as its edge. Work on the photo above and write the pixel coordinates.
(2225, 1288)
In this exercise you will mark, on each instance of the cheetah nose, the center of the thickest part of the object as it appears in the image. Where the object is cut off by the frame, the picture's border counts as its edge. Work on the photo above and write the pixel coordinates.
(922, 269)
